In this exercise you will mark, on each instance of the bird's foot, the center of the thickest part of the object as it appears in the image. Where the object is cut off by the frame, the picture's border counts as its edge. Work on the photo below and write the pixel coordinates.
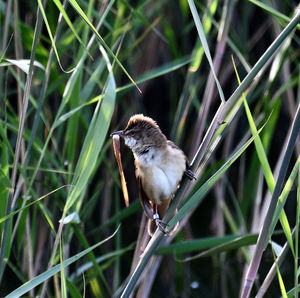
(160, 224)
(190, 174)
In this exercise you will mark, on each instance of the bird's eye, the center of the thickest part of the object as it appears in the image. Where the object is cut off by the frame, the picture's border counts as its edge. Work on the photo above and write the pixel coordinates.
(129, 132)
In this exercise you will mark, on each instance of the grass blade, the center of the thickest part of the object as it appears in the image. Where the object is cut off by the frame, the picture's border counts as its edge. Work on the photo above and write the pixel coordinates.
(49, 273)
(201, 192)
(205, 44)
(224, 243)
(272, 11)
(29, 204)
(264, 234)
(103, 43)
(51, 36)
(94, 138)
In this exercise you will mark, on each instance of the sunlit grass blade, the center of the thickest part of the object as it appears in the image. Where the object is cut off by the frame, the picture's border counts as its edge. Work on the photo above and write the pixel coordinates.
(272, 11)
(49, 273)
(199, 49)
(258, 144)
(192, 78)
(296, 262)
(63, 285)
(264, 233)
(103, 43)
(94, 138)
(23, 64)
(205, 44)
(51, 36)
(67, 19)
(280, 280)
(268, 173)
(280, 205)
(30, 204)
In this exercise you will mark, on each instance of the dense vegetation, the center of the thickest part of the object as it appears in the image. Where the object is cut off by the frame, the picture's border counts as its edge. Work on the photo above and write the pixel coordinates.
(221, 78)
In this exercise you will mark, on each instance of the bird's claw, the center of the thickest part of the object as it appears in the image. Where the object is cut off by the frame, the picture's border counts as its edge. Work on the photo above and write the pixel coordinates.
(160, 224)
(190, 174)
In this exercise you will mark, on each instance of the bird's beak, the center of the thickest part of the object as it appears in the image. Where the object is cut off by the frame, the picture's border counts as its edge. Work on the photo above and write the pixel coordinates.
(118, 133)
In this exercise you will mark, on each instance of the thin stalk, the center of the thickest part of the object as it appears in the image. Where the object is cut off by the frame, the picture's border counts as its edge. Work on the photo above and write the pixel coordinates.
(5, 36)
(149, 251)
(149, 278)
(297, 239)
(192, 78)
(272, 272)
(9, 206)
(202, 37)
(28, 253)
(209, 90)
(264, 59)
(263, 236)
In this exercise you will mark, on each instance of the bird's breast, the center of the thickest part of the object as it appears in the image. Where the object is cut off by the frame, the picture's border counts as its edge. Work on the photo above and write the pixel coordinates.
(161, 173)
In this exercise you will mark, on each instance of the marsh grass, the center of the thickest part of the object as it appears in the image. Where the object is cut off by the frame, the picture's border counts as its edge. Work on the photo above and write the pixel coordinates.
(71, 72)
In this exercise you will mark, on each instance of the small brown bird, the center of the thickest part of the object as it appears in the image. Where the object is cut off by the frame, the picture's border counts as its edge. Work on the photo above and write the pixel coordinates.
(160, 166)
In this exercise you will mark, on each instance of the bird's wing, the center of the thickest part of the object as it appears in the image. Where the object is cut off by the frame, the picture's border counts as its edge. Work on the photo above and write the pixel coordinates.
(145, 200)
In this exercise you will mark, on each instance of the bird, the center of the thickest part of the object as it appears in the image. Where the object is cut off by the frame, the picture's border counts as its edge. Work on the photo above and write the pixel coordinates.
(159, 167)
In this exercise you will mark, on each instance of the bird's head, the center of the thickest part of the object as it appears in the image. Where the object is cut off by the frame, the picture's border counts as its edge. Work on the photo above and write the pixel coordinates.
(141, 133)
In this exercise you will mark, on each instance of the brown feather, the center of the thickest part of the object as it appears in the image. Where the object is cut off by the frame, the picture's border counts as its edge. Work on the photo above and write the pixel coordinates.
(145, 202)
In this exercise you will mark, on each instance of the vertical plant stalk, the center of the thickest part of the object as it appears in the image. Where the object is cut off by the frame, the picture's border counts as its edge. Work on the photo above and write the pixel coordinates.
(38, 111)
(209, 90)
(18, 55)
(296, 277)
(150, 249)
(148, 280)
(202, 37)
(264, 234)
(10, 206)
(192, 78)
(6, 24)
(28, 150)
(264, 59)
(5, 36)
(272, 272)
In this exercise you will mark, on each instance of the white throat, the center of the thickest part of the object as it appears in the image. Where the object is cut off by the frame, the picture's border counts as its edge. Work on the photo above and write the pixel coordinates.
(147, 157)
